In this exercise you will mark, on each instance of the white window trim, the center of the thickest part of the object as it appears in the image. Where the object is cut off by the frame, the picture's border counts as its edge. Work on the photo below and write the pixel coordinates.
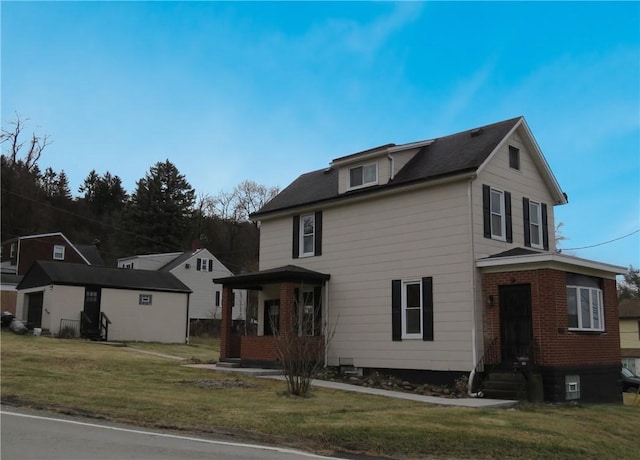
(405, 335)
(58, 248)
(312, 235)
(532, 225)
(592, 291)
(502, 214)
(364, 184)
(204, 264)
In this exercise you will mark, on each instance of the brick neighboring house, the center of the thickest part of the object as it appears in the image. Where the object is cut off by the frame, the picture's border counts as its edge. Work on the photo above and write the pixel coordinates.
(436, 259)
(629, 313)
(18, 254)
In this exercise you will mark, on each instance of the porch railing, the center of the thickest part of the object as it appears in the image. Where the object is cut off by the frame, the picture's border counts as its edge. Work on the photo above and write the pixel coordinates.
(104, 326)
(484, 364)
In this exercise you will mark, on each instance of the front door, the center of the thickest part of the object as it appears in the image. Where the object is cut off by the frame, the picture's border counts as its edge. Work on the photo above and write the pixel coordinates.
(515, 322)
(92, 310)
(34, 309)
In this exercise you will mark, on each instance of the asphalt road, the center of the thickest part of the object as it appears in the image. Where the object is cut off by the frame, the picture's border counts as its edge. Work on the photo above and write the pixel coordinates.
(27, 435)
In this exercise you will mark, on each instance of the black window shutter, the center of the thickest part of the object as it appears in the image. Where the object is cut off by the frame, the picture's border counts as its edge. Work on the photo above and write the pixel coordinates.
(318, 234)
(427, 308)
(210, 265)
(507, 212)
(545, 228)
(296, 237)
(527, 226)
(199, 262)
(217, 298)
(396, 310)
(486, 210)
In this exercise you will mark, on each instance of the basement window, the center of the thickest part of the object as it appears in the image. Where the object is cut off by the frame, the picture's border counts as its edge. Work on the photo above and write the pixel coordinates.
(572, 387)
(145, 299)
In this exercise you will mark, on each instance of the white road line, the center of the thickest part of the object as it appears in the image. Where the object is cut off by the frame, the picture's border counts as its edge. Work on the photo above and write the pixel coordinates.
(173, 436)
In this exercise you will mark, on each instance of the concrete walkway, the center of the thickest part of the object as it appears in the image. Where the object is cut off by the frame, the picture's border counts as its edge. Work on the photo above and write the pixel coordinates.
(277, 375)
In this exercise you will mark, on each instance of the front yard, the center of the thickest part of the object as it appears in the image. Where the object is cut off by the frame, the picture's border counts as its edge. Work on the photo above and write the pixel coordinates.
(118, 384)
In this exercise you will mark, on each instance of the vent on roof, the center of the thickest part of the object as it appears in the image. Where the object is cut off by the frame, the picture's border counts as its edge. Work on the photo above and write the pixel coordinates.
(476, 132)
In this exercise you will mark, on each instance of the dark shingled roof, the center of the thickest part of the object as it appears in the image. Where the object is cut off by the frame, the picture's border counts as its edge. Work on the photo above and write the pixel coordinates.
(43, 273)
(91, 253)
(448, 155)
(515, 252)
(288, 273)
(629, 308)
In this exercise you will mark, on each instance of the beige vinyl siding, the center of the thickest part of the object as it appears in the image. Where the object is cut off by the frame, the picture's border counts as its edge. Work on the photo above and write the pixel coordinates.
(366, 245)
(163, 321)
(526, 182)
(629, 334)
(202, 303)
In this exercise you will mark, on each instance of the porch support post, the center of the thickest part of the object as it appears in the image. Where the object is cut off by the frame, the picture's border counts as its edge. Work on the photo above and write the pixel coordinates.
(225, 323)
(287, 309)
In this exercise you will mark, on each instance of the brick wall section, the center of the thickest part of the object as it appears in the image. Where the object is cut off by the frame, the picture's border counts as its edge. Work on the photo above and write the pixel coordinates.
(225, 325)
(555, 344)
(287, 308)
(258, 348)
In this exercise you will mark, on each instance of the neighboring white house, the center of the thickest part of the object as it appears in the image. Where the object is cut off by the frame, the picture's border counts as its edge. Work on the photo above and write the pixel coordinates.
(435, 257)
(104, 303)
(196, 269)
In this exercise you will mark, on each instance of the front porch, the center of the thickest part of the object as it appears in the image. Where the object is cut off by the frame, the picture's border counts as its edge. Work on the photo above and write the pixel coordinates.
(290, 303)
(551, 320)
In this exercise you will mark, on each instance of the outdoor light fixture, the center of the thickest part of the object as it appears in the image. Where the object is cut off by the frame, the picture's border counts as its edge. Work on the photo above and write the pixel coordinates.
(490, 300)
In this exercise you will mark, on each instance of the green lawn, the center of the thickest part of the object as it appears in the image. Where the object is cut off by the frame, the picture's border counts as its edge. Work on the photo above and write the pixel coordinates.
(74, 376)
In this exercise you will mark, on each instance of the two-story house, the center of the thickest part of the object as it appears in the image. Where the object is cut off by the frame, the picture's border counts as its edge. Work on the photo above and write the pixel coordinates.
(196, 269)
(18, 254)
(435, 259)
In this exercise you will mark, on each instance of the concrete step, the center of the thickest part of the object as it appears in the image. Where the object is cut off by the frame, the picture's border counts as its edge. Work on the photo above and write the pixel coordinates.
(229, 363)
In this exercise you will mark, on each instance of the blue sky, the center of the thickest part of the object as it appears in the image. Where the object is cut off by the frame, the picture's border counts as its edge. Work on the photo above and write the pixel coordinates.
(266, 91)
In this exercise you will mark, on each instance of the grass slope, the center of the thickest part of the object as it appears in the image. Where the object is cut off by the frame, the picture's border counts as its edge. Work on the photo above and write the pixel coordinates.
(118, 384)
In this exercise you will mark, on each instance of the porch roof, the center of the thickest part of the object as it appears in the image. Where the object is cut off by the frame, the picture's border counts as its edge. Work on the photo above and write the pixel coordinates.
(524, 259)
(287, 273)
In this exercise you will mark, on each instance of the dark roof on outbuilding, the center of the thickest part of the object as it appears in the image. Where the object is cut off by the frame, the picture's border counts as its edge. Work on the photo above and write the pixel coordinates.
(445, 156)
(288, 273)
(43, 273)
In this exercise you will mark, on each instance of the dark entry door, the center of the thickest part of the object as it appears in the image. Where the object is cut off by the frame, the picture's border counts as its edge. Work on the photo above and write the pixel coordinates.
(92, 310)
(515, 321)
(34, 309)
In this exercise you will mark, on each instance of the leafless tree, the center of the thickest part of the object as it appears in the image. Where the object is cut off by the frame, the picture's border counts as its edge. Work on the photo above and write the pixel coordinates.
(300, 347)
(27, 152)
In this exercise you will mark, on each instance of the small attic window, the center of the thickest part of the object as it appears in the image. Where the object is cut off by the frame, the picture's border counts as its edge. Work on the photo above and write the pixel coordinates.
(362, 176)
(514, 157)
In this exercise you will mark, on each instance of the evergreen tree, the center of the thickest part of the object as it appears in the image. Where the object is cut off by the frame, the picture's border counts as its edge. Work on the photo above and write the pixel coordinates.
(160, 210)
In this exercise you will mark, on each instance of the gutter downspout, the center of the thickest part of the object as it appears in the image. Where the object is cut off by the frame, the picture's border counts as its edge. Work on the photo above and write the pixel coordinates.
(474, 351)
(188, 322)
(393, 166)
(326, 324)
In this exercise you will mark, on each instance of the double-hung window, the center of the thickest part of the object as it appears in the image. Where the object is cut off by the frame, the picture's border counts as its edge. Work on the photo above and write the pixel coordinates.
(535, 224)
(536, 233)
(58, 252)
(412, 309)
(584, 303)
(496, 206)
(204, 265)
(363, 176)
(307, 235)
(497, 214)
